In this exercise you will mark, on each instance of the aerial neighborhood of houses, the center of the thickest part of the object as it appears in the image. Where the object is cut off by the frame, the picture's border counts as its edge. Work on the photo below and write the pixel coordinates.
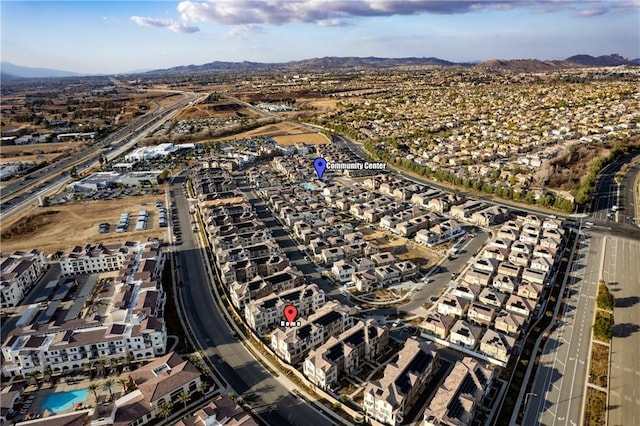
(316, 249)
(363, 232)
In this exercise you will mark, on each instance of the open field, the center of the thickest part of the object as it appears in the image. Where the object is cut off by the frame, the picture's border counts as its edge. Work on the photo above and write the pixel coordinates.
(402, 248)
(60, 227)
(216, 109)
(30, 158)
(18, 151)
(278, 129)
(311, 138)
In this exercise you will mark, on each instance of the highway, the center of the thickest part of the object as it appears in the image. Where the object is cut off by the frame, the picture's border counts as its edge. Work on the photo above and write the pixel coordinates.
(622, 274)
(558, 388)
(248, 378)
(50, 178)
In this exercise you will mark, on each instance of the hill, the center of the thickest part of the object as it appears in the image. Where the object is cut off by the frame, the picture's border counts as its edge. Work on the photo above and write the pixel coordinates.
(576, 61)
(325, 63)
(8, 68)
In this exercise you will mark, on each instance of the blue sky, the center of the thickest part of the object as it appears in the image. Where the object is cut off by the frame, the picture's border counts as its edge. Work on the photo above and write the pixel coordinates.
(122, 36)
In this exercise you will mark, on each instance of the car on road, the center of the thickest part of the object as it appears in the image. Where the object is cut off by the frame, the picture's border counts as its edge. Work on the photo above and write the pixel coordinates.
(395, 323)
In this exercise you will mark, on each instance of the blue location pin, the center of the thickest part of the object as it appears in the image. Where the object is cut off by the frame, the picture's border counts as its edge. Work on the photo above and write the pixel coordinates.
(320, 164)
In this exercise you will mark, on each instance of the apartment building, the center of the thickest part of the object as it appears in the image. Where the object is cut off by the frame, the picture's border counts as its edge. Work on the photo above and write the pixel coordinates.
(388, 399)
(462, 392)
(19, 273)
(292, 344)
(158, 382)
(243, 293)
(128, 322)
(263, 313)
(92, 259)
(438, 324)
(344, 354)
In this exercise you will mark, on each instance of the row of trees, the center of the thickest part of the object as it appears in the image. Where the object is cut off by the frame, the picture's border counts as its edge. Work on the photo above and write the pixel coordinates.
(550, 200)
(587, 186)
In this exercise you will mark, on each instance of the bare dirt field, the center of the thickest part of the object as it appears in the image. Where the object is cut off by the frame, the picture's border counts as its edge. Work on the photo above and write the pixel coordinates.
(321, 104)
(402, 248)
(29, 158)
(217, 109)
(17, 151)
(60, 227)
(308, 138)
(278, 129)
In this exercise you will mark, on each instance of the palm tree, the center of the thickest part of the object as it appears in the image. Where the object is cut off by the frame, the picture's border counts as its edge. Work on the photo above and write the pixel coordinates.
(113, 364)
(87, 367)
(108, 386)
(165, 409)
(100, 365)
(123, 381)
(93, 388)
(48, 372)
(184, 397)
(129, 359)
(34, 375)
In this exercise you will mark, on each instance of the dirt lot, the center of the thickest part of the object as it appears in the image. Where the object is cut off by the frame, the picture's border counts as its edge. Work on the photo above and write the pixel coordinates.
(17, 152)
(402, 248)
(60, 227)
(29, 158)
(308, 138)
(279, 129)
(217, 109)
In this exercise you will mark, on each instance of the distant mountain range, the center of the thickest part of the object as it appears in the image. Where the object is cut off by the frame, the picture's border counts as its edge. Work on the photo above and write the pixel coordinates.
(332, 62)
(577, 61)
(11, 71)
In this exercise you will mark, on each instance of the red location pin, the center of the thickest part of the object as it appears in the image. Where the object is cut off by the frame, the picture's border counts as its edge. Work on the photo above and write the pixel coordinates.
(290, 313)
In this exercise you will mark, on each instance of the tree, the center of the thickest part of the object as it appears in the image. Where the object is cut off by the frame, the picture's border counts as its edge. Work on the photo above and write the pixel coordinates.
(108, 386)
(93, 388)
(48, 372)
(123, 381)
(184, 397)
(34, 376)
(100, 365)
(165, 409)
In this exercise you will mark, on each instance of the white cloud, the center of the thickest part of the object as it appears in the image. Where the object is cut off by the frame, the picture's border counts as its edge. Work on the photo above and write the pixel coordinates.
(177, 27)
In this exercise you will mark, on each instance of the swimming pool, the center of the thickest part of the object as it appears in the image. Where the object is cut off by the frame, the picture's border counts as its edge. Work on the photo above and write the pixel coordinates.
(62, 401)
(308, 186)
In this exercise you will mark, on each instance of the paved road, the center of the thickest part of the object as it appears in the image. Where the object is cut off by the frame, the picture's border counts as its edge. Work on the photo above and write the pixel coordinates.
(608, 193)
(51, 177)
(627, 203)
(248, 377)
(622, 273)
(440, 280)
(558, 388)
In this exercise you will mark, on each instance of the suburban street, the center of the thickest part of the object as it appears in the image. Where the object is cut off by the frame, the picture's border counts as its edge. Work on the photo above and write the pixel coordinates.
(257, 386)
(627, 213)
(622, 274)
(558, 389)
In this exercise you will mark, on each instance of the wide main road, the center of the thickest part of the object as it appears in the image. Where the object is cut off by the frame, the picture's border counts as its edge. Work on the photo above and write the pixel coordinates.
(622, 274)
(257, 386)
(558, 389)
(52, 178)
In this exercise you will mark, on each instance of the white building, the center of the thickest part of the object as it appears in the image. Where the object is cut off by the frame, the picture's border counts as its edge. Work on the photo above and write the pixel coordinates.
(129, 325)
(20, 271)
